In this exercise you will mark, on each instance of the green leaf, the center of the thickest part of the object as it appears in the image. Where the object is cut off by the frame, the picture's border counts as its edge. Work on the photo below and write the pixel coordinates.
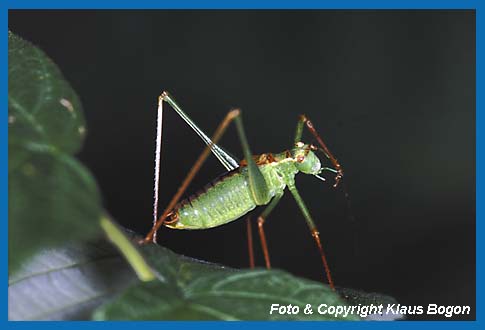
(80, 279)
(187, 289)
(52, 197)
(43, 108)
(67, 283)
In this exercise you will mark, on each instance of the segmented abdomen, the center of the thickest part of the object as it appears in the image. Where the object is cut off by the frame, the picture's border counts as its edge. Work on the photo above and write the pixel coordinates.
(225, 199)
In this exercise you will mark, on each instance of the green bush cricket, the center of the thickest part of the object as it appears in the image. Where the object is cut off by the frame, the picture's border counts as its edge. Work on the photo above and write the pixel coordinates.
(255, 181)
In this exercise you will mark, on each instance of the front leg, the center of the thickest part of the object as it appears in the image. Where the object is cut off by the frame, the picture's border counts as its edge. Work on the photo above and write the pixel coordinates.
(304, 121)
(313, 230)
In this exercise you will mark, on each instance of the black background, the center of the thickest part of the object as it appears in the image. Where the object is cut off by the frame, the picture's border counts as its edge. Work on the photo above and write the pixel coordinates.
(392, 93)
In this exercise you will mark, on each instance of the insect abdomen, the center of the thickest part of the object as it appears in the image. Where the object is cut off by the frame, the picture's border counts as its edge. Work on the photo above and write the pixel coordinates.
(226, 200)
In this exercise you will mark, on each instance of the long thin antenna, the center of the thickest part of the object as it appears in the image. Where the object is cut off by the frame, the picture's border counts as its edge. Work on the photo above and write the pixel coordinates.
(158, 150)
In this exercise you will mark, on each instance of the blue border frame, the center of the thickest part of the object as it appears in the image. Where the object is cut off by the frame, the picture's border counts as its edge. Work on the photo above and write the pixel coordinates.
(241, 4)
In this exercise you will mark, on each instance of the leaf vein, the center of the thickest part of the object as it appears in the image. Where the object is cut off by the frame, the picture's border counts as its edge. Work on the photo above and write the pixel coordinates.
(52, 270)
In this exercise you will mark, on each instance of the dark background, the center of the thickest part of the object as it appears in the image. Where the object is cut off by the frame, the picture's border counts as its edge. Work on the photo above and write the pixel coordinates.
(393, 94)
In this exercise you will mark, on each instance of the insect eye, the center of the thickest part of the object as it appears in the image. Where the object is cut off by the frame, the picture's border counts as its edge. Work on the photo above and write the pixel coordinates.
(300, 159)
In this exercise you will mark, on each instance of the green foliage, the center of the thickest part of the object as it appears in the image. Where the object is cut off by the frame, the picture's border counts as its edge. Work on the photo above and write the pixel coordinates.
(90, 278)
(52, 197)
(72, 281)
(189, 289)
(67, 282)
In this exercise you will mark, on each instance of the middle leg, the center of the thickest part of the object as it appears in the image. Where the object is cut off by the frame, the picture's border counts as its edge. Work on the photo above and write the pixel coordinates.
(261, 220)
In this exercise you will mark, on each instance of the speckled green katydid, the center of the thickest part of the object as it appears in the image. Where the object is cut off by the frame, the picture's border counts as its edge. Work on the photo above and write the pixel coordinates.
(257, 180)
